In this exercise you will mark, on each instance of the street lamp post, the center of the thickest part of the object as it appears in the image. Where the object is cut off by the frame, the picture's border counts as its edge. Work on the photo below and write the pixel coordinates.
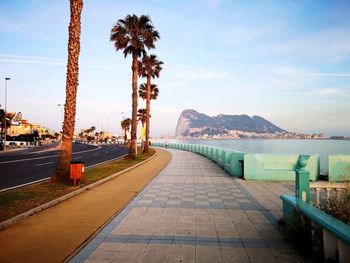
(78, 127)
(6, 79)
(61, 105)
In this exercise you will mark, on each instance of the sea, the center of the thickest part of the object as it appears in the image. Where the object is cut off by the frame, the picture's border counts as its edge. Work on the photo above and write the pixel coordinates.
(323, 147)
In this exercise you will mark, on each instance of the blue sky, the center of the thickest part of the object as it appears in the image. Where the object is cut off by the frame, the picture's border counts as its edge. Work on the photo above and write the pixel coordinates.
(287, 61)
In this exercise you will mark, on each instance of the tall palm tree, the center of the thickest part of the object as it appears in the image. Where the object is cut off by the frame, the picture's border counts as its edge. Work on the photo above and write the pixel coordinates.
(134, 34)
(150, 67)
(126, 123)
(61, 173)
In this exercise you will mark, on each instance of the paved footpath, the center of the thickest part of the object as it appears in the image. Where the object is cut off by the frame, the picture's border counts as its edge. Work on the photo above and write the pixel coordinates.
(194, 212)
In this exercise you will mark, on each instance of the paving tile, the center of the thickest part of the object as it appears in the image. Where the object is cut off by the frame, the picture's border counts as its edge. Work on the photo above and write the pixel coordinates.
(134, 248)
(183, 249)
(127, 257)
(194, 212)
(249, 233)
(235, 251)
(234, 259)
(227, 233)
(181, 258)
(101, 256)
(259, 252)
(108, 246)
(208, 259)
(213, 250)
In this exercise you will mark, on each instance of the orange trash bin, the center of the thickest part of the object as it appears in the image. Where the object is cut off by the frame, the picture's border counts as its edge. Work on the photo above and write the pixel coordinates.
(77, 171)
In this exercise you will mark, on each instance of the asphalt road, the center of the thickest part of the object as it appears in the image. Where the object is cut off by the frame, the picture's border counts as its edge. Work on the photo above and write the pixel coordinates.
(25, 166)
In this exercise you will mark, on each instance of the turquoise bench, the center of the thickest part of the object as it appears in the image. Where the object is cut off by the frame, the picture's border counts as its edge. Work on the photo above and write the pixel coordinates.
(264, 166)
(336, 234)
(339, 168)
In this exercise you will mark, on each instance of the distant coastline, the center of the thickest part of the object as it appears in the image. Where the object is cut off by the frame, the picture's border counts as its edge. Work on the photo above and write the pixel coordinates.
(271, 138)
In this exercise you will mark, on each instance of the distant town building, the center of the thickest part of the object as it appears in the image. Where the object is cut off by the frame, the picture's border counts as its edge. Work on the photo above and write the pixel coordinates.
(21, 126)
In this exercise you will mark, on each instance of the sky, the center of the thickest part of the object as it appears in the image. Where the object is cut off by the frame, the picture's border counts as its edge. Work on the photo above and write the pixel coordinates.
(287, 61)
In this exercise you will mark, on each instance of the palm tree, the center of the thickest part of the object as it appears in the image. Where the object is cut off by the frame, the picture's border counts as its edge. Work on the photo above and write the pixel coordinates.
(141, 116)
(61, 173)
(3, 118)
(92, 129)
(134, 34)
(143, 91)
(153, 94)
(126, 123)
(149, 67)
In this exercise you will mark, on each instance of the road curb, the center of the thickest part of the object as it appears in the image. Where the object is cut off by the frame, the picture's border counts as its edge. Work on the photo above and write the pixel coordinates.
(15, 220)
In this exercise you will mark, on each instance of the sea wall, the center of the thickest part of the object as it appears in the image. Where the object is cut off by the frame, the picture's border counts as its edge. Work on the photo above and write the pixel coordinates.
(252, 166)
(339, 168)
(262, 166)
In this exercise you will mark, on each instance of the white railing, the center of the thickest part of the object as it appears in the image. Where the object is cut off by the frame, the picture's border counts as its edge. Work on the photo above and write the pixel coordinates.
(325, 190)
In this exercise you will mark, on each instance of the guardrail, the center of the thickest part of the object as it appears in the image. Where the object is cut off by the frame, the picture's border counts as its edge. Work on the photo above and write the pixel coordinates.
(265, 166)
(230, 160)
(324, 190)
(336, 234)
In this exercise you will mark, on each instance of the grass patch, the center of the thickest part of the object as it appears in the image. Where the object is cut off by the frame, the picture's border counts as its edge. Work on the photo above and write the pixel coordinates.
(17, 201)
(99, 172)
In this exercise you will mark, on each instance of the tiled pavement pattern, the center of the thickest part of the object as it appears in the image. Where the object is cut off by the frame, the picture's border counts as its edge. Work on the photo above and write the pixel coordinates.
(195, 212)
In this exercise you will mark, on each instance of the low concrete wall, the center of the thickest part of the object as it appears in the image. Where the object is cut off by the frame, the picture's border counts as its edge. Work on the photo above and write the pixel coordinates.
(262, 166)
(234, 163)
(339, 168)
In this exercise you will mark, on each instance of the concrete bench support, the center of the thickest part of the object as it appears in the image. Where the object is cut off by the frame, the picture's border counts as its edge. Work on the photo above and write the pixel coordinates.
(302, 179)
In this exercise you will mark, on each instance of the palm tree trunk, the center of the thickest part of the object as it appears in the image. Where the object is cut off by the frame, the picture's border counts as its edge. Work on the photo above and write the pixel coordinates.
(133, 146)
(61, 173)
(148, 109)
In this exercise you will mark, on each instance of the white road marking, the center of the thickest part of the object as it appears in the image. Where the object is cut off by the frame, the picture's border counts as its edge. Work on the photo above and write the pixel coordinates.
(18, 186)
(78, 157)
(95, 154)
(41, 164)
(48, 178)
(43, 157)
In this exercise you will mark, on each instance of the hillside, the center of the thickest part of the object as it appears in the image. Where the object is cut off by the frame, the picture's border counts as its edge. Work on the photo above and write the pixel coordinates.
(194, 124)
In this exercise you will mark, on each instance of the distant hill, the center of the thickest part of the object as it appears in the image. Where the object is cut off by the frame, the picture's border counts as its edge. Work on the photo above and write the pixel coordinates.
(194, 124)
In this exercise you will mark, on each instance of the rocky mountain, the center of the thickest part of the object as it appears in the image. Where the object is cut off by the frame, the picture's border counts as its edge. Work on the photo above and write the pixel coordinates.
(194, 124)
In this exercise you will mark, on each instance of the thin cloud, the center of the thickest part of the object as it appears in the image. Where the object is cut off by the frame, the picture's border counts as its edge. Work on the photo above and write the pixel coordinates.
(288, 70)
(332, 92)
(9, 26)
(28, 61)
(332, 45)
(52, 62)
(182, 77)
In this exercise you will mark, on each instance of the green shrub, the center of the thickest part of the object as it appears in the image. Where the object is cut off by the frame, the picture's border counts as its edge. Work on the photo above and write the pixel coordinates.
(337, 207)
